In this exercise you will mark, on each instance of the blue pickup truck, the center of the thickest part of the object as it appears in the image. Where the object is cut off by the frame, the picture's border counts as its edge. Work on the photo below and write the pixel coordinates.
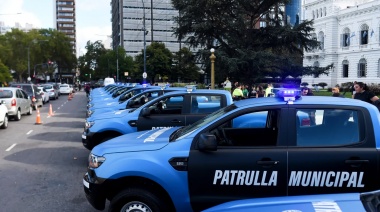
(254, 148)
(177, 108)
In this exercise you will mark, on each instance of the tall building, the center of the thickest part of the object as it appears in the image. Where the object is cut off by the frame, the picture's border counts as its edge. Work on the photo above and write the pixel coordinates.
(64, 12)
(128, 24)
(349, 32)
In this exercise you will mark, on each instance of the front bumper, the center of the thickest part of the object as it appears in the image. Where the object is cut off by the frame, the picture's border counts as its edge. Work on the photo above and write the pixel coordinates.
(94, 191)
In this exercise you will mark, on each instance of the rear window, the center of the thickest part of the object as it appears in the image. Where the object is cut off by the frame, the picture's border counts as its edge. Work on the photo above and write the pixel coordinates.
(64, 86)
(48, 87)
(6, 94)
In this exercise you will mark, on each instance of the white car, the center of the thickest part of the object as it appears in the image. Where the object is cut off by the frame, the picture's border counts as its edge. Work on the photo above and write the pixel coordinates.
(44, 93)
(64, 89)
(3, 115)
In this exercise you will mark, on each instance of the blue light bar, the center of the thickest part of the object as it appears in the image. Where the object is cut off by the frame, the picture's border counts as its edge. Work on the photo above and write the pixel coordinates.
(288, 94)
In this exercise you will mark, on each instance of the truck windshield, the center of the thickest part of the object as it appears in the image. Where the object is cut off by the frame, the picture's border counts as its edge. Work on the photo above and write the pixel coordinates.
(182, 132)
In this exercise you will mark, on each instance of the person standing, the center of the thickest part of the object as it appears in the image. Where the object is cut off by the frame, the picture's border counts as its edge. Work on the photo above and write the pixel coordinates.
(260, 92)
(335, 92)
(244, 88)
(227, 85)
(268, 90)
(352, 89)
(362, 93)
(237, 94)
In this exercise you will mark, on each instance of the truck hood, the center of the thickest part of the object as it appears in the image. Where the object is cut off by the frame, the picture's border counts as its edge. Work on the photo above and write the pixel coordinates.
(148, 140)
(108, 115)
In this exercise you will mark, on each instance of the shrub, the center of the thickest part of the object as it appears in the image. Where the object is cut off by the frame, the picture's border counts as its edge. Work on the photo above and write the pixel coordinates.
(322, 84)
(304, 84)
(374, 88)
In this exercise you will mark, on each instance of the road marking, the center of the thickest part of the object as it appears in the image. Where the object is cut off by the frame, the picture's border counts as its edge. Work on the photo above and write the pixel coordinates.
(30, 131)
(11, 147)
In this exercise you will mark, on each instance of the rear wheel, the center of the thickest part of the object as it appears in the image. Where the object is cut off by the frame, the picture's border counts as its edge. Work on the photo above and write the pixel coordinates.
(5, 123)
(137, 199)
(18, 115)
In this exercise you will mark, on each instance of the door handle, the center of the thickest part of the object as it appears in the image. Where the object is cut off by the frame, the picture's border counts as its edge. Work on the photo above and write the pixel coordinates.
(267, 163)
(176, 121)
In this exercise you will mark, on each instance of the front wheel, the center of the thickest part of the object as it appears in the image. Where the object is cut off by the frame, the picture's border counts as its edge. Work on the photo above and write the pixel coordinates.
(137, 199)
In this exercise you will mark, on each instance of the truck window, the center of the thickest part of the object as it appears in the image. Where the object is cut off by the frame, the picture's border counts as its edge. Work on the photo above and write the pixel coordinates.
(205, 104)
(328, 127)
(258, 128)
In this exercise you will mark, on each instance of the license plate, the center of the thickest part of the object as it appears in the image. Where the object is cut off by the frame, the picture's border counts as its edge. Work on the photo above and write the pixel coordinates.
(85, 183)
(84, 137)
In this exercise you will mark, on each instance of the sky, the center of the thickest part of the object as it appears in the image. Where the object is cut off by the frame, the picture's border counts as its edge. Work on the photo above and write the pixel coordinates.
(93, 17)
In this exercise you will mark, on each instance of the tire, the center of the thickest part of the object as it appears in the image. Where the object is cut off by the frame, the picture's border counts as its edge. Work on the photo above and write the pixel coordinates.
(5, 123)
(137, 199)
(18, 115)
(30, 111)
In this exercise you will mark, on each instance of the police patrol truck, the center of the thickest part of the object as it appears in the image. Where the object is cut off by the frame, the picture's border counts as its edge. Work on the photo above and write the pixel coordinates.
(264, 147)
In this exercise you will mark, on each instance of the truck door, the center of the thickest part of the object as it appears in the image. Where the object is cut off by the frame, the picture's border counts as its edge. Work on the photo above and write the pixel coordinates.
(334, 152)
(249, 161)
(166, 112)
(201, 105)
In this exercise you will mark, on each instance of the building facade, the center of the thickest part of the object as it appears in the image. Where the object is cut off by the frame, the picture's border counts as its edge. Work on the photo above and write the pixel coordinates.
(349, 32)
(65, 20)
(128, 24)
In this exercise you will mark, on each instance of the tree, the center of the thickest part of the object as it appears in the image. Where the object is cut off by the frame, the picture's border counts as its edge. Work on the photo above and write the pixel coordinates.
(243, 50)
(322, 84)
(158, 60)
(5, 75)
(184, 66)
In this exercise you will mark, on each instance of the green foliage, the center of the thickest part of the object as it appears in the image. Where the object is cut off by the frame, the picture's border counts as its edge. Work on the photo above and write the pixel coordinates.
(5, 75)
(322, 84)
(244, 51)
(184, 66)
(158, 61)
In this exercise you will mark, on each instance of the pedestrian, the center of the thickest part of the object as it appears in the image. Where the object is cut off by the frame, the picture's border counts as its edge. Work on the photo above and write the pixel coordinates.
(87, 88)
(252, 93)
(245, 91)
(362, 93)
(227, 85)
(237, 94)
(335, 92)
(260, 92)
(268, 90)
(304, 91)
(352, 89)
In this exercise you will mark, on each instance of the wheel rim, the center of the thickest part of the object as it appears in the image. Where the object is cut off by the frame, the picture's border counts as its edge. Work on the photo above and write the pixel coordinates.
(135, 206)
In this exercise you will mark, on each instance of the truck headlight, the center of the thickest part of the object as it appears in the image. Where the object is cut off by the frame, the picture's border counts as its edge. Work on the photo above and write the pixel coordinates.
(95, 161)
(89, 124)
(89, 112)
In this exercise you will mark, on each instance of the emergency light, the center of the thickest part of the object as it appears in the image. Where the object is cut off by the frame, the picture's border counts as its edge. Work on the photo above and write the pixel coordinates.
(289, 95)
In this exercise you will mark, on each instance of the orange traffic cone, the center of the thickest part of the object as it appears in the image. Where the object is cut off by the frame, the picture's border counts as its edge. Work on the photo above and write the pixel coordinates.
(69, 98)
(38, 119)
(51, 111)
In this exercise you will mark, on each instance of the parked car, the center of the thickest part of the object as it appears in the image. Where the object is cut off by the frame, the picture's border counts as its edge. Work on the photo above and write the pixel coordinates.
(17, 102)
(44, 93)
(3, 115)
(64, 89)
(32, 91)
(53, 90)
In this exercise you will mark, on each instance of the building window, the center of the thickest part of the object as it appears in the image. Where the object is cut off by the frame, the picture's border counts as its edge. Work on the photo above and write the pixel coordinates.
(325, 12)
(364, 34)
(316, 66)
(345, 42)
(345, 69)
(362, 68)
(313, 15)
(378, 68)
(321, 39)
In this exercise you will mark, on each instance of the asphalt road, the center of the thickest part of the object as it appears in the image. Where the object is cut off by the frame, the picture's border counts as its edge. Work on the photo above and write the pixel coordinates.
(41, 166)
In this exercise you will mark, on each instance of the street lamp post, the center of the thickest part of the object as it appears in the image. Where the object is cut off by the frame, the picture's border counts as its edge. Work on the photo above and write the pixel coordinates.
(212, 58)
(144, 31)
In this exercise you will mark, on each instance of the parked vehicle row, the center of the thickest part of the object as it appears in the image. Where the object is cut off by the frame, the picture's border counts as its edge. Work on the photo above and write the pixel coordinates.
(246, 150)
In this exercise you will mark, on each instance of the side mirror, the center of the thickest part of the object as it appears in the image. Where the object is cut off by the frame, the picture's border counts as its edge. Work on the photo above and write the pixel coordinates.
(207, 142)
(145, 112)
(130, 103)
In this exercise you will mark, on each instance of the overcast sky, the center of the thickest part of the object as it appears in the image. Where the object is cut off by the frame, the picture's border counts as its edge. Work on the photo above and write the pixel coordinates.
(93, 17)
